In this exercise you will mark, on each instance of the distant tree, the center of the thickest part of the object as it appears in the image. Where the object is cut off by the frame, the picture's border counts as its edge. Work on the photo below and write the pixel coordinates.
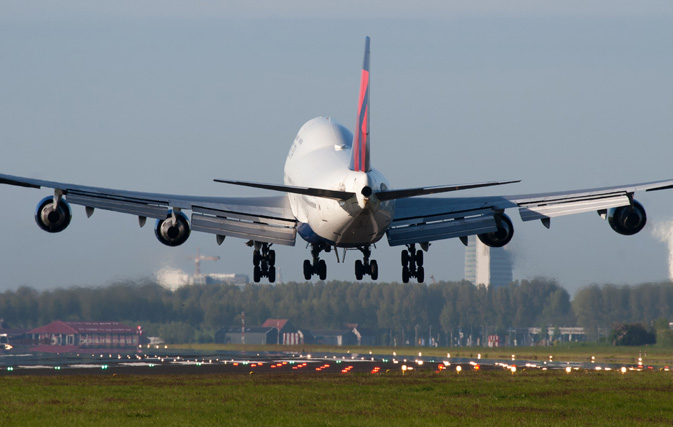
(632, 334)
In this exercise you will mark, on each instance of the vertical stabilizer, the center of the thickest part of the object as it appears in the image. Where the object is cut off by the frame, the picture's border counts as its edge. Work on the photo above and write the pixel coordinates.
(360, 153)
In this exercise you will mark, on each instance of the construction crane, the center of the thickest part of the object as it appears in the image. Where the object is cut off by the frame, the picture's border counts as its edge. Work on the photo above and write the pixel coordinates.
(197, 262)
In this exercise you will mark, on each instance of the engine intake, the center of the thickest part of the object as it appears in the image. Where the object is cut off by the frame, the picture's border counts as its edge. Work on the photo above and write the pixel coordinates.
(627, 220)
(502, 235)
(172, 232)
(52, 218)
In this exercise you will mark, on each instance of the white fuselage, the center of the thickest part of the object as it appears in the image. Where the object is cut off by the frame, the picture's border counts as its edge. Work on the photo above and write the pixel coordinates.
(320, 158)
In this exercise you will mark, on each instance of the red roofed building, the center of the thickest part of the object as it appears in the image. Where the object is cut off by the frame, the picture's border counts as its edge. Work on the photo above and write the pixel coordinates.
(71, 336)
(288, 334)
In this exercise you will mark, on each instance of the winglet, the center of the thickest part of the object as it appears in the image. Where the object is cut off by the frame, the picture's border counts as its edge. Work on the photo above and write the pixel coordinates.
(360, 149)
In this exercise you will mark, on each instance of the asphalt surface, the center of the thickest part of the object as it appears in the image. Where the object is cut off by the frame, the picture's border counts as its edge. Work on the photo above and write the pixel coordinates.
(195, 362)
(186, 362)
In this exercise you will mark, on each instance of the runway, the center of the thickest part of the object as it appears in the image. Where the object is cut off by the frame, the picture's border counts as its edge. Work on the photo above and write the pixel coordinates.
(238, 362)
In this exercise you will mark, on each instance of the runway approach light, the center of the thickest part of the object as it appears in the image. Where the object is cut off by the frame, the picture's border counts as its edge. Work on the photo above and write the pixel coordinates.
(513, 369)
(623, 370)
(568, 369)
(458, 369)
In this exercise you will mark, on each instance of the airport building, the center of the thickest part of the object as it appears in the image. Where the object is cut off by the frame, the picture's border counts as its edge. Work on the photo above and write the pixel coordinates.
(273, 331)
(486, 265)
(61, 336)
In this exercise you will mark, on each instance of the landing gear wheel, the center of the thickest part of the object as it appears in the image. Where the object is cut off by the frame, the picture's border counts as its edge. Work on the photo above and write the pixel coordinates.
(359, 270)
(322, 269)
(256, 274)
(308, 269)
(405, 258)
(374, 270)
(264, 260)
(412, 263)
(405, 274)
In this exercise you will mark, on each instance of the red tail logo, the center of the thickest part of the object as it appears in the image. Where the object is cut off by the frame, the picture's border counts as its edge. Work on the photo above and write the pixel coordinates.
(360, 154)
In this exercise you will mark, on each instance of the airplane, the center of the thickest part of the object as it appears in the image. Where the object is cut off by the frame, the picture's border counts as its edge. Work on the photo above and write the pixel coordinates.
(333, 198)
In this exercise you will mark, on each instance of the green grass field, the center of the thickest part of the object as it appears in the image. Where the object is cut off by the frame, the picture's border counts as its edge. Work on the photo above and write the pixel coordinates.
(532, 397)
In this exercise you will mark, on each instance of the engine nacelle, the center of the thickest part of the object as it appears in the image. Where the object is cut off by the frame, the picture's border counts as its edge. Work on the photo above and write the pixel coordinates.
(172, 232)
(502, 235)
(627, 220)
(52, 218)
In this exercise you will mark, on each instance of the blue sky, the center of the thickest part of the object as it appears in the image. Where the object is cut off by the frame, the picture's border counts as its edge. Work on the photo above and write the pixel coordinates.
(166, 96)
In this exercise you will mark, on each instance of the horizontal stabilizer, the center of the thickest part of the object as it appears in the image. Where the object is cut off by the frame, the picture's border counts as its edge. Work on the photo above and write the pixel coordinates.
(307, 191)
(411, 192)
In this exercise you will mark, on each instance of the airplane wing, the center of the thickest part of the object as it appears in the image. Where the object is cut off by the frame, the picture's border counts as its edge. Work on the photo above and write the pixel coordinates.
(424, 219)
(261, 219)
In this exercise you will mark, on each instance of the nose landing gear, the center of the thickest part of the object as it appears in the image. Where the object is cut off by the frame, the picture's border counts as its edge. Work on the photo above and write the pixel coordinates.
(412, 264)
(318, 266)
(366, 267)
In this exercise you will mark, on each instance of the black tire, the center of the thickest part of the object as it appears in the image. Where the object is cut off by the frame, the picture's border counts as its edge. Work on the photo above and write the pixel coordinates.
(419, 258)
(405, 274)
(272, 274)
(256, 257)
(374, 270)
(405, 258)
(420, 274)
(308, 269)
(256, 274)
(272, 258)
(359, 269)
(322, 269)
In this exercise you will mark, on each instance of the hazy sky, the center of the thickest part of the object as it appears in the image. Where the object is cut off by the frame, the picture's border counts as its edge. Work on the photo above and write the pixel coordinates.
(164, 96)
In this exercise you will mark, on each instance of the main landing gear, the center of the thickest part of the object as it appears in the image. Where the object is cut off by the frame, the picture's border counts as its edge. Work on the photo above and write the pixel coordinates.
(264, 261)
(412, 264)
(366, 267)
(318, 266)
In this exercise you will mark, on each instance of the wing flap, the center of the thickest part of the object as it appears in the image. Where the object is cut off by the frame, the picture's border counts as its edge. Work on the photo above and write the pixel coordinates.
(542, 210)
(243, 229)
(447, 229)
(271, 220)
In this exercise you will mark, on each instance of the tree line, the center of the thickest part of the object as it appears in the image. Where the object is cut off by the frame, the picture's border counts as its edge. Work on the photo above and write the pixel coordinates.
(397, 313)
(600, 307)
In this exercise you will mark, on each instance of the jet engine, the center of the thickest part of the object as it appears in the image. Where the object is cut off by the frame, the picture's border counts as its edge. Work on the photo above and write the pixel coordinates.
(502, 235)
(627, 220)
(174, 230)
(51, 217)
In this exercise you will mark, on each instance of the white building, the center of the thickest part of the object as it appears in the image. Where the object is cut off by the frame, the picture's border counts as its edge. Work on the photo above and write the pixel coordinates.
(486, 265)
